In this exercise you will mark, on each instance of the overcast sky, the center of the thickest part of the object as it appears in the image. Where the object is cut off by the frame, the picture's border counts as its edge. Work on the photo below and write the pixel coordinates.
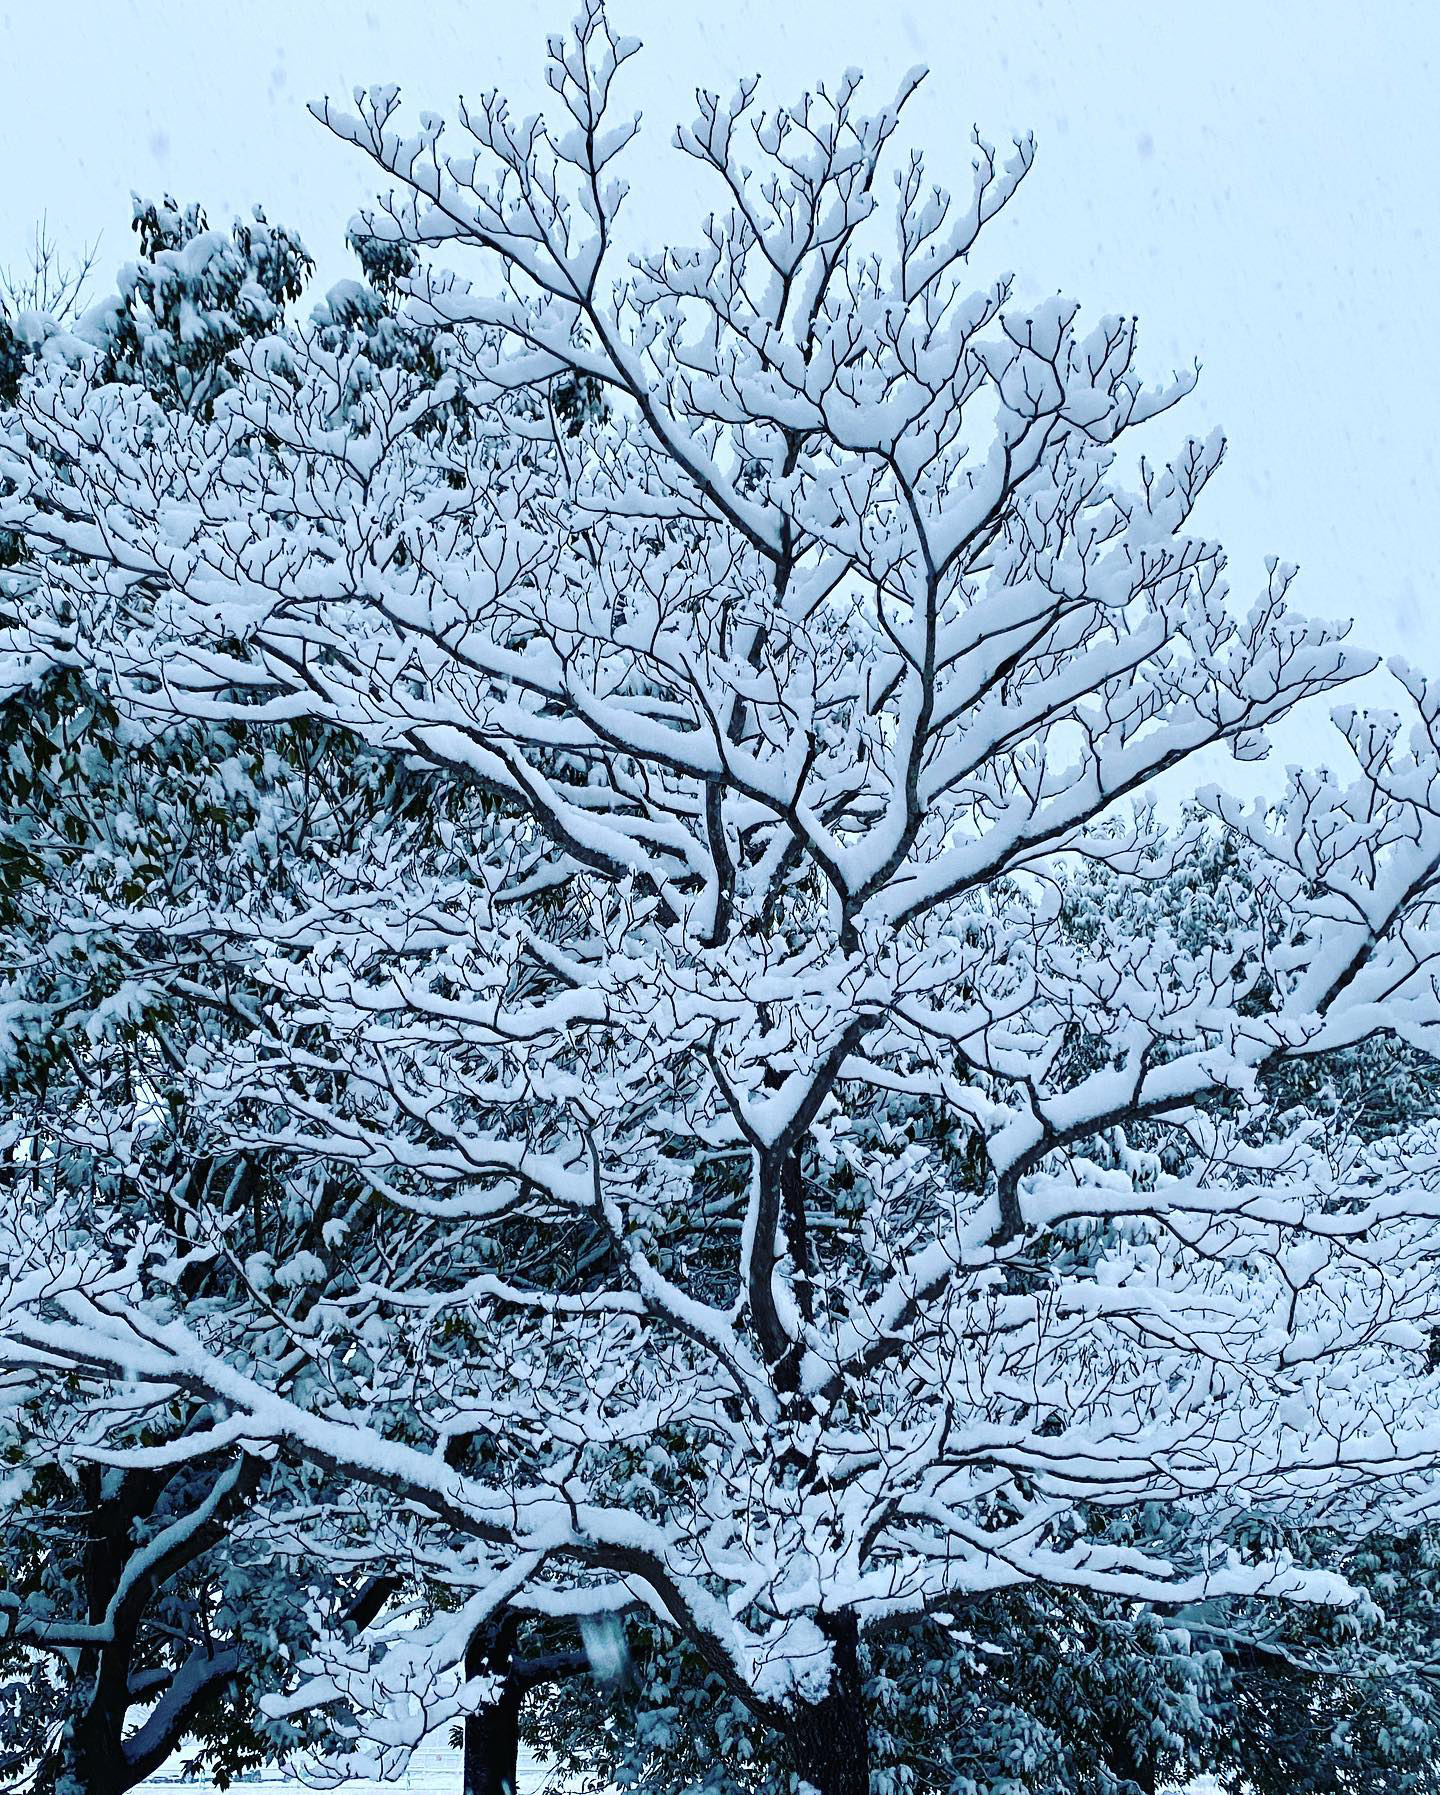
(1257, 179)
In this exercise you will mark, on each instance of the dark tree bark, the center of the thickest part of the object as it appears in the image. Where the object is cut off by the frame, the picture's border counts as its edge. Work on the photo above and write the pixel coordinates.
(830, 1739)
(89, 1753)
(93, 1752)
(492, 1733)
(492, 1744)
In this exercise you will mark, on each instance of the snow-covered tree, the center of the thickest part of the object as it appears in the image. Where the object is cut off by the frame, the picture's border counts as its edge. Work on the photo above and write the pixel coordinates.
(775, 698)
(131, 1615)
(195, 295)
(104, 818)
(1057, 1693)
(134, 1613)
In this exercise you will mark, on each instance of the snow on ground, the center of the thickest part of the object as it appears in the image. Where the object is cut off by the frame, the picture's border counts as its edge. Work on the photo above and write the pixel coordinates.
(434, 1770)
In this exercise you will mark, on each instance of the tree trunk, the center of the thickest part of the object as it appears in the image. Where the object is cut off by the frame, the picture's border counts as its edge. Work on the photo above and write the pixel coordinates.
(492, 1733)
(830, 1739)
(88, 1758)
(492, 1744)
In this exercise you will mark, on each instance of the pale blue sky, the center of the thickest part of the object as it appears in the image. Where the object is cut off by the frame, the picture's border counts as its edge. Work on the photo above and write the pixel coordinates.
(1257, 179)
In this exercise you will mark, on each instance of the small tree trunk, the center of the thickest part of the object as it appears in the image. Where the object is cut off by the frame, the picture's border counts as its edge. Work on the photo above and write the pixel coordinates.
(492, 1734)
(88, 1759)
(830, 1739)
(492, 1745)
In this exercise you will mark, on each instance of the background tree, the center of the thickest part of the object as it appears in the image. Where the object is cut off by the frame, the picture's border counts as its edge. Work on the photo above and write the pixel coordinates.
(104, 822)
(127, 1591)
